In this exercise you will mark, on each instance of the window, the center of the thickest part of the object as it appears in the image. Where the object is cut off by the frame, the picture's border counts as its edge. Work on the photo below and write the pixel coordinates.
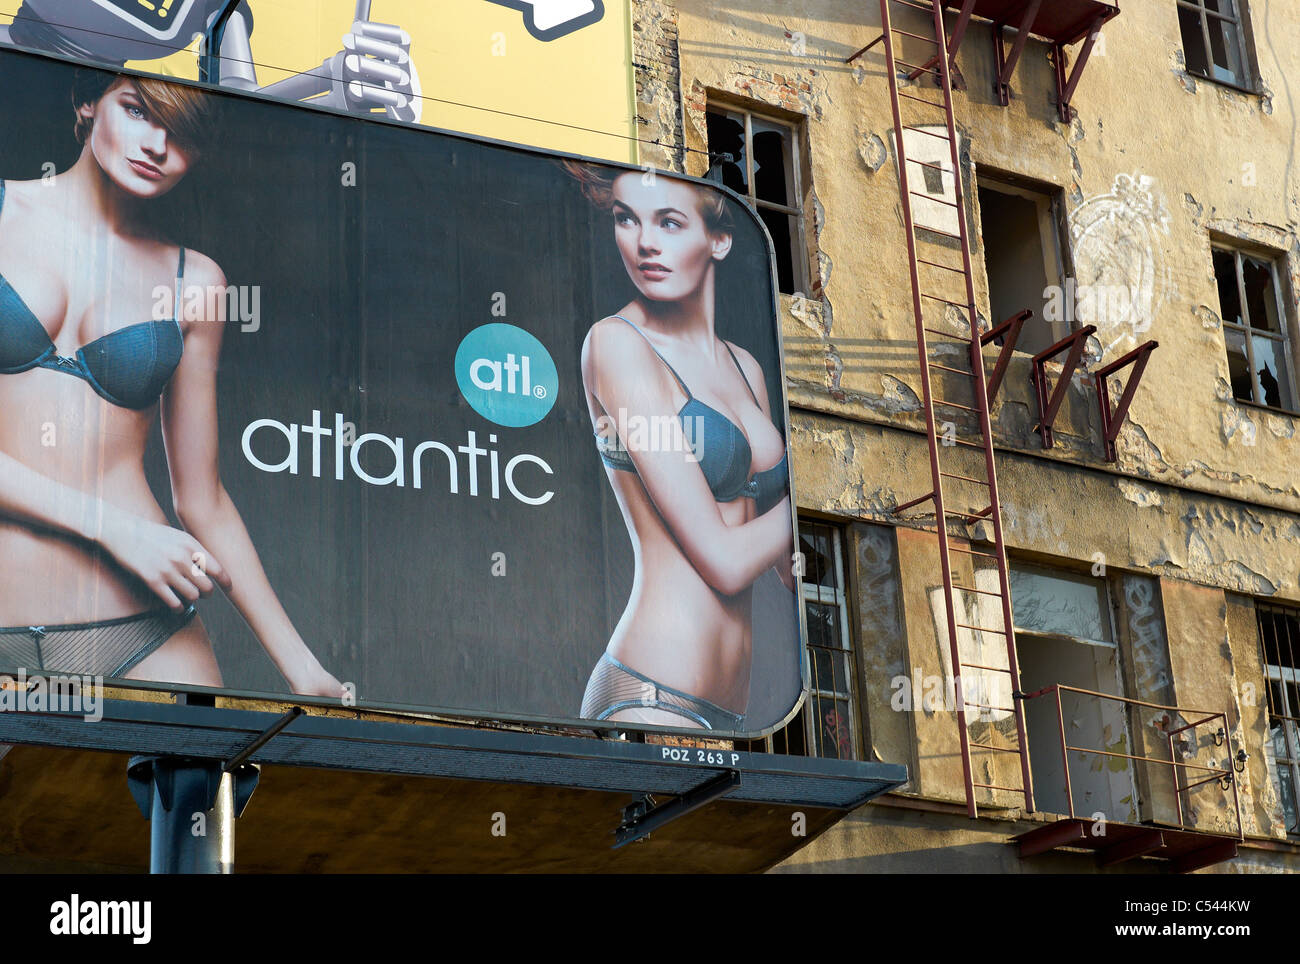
(759, 158)
(1023, 239)
(1065, 634)
(1279, 639)
(1254, 328)
(1215, 40)
(827, 725)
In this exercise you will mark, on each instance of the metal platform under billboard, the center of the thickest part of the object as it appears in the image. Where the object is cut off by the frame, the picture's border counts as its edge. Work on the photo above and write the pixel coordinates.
(293, 401)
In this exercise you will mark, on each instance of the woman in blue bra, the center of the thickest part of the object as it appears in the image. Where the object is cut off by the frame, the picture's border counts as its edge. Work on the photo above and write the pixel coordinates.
(707, 502)
(94, 580)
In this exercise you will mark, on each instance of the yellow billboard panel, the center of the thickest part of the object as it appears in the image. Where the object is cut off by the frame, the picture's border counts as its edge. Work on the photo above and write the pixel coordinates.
(555, 74)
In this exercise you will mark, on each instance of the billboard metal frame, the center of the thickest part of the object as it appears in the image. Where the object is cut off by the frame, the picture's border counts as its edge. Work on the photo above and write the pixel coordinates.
(463, 753)
(484, 715)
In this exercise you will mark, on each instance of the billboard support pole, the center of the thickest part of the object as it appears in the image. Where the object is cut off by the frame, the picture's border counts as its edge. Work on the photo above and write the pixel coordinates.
(191, 806)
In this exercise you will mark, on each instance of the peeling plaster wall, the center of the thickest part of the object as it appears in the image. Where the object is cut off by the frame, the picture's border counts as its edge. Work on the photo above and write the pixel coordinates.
(1204, 500)
(861, 470)
(1139, 214)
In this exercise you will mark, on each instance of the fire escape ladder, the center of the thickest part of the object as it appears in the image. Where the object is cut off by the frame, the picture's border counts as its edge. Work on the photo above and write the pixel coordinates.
(975, 487)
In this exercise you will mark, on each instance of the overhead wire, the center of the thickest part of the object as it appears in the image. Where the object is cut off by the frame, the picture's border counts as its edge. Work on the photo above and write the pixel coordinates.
(13, 18)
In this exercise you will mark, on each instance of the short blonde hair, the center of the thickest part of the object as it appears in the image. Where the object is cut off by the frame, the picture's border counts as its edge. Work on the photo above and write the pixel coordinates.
(597, 184)
(184, 112)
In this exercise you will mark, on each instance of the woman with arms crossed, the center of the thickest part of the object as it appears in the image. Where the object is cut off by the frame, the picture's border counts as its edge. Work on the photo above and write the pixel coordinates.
(708, 514)
(94, 580)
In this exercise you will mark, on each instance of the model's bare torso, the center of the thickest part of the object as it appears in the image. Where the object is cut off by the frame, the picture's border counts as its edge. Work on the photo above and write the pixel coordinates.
(80, 285)
(676, 628)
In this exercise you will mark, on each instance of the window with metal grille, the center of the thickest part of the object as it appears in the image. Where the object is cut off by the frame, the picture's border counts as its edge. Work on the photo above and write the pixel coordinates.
(828, 724)
(759, 157)
(1279, 641)
(1215, 40)
(1255, 328)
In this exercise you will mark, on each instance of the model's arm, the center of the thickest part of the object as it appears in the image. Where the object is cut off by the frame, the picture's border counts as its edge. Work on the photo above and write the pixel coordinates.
(189, 419)
(754, 375)
(621, 370)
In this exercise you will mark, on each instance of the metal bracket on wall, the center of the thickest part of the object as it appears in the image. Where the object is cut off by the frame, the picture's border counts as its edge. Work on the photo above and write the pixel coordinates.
(1112, 422)
(643, 816)
(1009, 332)
(1049, 407)
(1006, 65)
(1065, 85)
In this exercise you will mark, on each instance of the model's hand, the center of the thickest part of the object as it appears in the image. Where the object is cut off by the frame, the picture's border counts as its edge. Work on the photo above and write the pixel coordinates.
(171, 562)
(315, 680)
(375, 70)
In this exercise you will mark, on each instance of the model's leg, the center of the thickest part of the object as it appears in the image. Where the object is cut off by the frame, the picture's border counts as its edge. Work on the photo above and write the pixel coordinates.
(186, 657)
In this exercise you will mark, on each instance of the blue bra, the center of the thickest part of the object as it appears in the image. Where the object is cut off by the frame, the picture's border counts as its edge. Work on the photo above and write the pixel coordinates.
(129, 367)
(722, 449)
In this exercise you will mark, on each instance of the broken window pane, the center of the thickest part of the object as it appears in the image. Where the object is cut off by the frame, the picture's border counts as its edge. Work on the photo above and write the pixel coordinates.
(1261, 295)
(823, 631)
(1225, 49)
(815, 544)
(782, 228)
(1270, 377)
(1225, 273)
(726, 133)
(1060, 603)
(1189, 22)
(772, 163)
(763, 168)
(1239, 365)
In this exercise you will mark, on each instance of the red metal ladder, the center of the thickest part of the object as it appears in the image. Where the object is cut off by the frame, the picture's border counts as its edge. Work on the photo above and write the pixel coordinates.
(986, 505)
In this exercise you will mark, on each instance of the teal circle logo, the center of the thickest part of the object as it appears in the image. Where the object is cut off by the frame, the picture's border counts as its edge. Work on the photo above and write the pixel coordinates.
(506, 375)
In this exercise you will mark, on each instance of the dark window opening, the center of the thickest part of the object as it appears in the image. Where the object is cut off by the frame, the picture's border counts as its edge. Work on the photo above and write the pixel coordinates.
(1020, 231)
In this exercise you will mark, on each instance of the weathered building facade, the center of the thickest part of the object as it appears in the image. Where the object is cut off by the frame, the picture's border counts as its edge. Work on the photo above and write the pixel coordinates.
(1163, 583)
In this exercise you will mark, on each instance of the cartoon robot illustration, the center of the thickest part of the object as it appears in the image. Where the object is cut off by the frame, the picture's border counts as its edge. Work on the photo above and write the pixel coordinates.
(373, 70)
(550, 20)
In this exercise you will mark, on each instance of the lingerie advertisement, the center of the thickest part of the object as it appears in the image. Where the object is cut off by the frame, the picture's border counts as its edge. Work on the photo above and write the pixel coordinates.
(300, 404)
(557, 74)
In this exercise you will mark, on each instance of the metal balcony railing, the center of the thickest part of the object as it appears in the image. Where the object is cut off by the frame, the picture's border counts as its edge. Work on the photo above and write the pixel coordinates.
(1226, 776)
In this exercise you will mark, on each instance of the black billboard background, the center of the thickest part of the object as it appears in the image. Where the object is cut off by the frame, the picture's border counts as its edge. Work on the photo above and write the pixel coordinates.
(366, 291)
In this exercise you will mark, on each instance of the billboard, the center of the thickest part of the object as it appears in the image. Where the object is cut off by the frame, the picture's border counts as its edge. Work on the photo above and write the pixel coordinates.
(297, 402)
(553, 73)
